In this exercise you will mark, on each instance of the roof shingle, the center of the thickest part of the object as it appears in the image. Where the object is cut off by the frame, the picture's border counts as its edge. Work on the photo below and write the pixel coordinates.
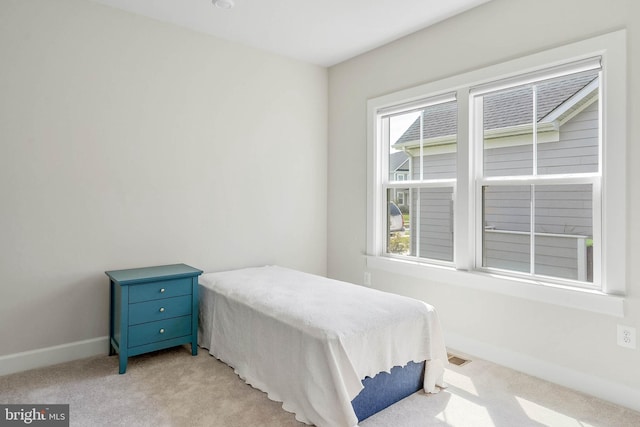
(503, 109)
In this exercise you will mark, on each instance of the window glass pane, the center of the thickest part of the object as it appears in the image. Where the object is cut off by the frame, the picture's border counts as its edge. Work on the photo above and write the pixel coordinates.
(432, 223)
(430, 141)
(401, 198)
(398, 220)
(564, 231)
(568, 124)
(506, 233)
(507, 132)
(399, 163)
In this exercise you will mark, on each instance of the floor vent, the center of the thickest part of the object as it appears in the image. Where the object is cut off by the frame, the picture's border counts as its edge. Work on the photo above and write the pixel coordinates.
(456, 360)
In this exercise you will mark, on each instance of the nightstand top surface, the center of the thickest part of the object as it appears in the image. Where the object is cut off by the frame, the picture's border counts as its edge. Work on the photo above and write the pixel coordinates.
(146, 274)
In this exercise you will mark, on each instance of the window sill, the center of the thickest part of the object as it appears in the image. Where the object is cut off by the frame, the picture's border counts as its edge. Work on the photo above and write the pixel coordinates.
(582, 299)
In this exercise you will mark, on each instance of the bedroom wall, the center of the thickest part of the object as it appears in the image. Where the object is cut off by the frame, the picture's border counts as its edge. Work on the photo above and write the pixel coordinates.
(573, 347)
(128, 142)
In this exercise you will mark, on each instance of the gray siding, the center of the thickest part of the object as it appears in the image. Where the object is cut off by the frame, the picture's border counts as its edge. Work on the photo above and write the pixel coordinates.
(575, 152)
(439, 166)
(515, 160)
(563, 209)
(555, 255)
(507, 251)
(435, 230)
(558, 256)
(507, 208)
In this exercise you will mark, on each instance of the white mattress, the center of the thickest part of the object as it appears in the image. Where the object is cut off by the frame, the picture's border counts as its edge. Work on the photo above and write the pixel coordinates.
(307, 341)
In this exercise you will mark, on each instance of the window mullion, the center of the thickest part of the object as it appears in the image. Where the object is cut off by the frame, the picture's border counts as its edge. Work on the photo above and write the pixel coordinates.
(532, 232)
(532, 214)
(429, 183)
(462, 203)
(534, 128)
(476, 123)
(421, 146)
(384, 167)
(417, 221)
(418, 216)
(587, 178)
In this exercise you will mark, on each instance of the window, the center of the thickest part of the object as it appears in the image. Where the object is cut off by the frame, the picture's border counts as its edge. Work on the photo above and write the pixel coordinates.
(428, 231)
(539, 148)
(516, 170)
(400, 198)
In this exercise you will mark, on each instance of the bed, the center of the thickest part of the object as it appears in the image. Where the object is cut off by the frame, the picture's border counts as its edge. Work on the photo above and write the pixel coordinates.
(328, 350)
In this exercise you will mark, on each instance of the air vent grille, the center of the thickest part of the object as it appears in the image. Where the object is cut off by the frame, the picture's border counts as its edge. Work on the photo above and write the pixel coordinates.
(457, 360)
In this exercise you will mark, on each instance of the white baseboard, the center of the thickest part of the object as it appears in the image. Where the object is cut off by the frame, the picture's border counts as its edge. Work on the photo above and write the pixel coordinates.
(48, 356)
(588, 384)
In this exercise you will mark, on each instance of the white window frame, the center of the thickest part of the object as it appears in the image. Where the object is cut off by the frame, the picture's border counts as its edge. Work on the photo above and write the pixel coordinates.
(594, 179)
(608, 299)
(410, 184)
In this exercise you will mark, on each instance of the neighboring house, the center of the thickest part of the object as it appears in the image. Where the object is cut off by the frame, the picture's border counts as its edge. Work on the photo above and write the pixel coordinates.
(568, 142)
(399, 171)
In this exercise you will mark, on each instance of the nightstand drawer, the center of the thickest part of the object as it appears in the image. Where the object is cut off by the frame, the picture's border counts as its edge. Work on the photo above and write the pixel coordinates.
(150, 311)
(160, 289)
(159, 331)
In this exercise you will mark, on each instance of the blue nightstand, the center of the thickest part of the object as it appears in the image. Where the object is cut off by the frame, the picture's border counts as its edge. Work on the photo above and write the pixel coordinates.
(153, 308)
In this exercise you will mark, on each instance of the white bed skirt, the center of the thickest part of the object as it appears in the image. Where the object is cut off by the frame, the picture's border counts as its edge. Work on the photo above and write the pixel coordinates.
(308, 341)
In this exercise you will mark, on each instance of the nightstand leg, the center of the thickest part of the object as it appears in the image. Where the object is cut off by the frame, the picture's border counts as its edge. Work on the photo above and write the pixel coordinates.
(194, 349)
(123, 363)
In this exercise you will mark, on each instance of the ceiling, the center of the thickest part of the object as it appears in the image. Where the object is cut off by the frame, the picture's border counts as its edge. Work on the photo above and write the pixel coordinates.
(322, 32)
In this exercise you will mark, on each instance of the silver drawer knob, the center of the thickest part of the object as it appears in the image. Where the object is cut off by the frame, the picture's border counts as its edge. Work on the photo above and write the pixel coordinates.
(162, 331)
(161, 309)
(162, 290)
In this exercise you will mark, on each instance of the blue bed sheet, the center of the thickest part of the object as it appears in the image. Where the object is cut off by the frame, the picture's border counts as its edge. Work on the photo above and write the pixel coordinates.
(385, 389)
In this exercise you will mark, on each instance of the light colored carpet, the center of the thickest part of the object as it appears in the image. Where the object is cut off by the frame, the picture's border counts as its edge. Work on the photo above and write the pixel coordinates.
(172, 388)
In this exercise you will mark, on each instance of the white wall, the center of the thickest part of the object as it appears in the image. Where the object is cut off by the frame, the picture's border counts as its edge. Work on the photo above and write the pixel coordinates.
(574, 347)
(127, 142)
